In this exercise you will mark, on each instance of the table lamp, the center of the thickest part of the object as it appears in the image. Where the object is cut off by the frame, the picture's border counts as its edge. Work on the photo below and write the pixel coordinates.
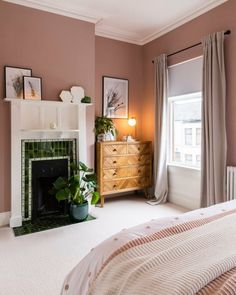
(132, 123)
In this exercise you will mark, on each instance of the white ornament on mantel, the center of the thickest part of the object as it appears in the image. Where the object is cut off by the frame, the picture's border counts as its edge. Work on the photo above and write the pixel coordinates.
(66, 96)
(77, 93)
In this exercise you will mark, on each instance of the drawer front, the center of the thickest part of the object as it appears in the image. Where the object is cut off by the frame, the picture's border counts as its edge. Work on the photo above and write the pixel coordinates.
(109, 174)
(141, 148)
(109, 162)
(116, 149)
(132, 183)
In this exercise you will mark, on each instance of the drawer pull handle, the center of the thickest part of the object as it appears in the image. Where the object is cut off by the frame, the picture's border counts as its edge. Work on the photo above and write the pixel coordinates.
(138, 148)
(114, 186)
(114, 162)
(139, 159)
(114, 150)
(139, 171)
(114, 174)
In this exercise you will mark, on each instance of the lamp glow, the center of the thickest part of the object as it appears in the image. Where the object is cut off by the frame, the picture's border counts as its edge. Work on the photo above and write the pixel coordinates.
(132, 121)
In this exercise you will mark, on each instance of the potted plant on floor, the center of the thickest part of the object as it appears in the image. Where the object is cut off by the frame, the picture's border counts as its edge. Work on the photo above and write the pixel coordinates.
(105, 129)
(76, 190)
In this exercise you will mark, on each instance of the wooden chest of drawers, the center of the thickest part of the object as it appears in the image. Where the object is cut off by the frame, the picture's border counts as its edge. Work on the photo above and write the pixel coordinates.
(123, 166)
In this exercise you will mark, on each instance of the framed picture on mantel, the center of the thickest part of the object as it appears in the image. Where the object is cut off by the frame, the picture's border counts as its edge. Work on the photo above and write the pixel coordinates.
(14, 81)
(32, 87)
(115, 92)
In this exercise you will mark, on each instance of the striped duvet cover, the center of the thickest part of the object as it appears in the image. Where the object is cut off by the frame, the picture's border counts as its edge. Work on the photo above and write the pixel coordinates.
(194, 253)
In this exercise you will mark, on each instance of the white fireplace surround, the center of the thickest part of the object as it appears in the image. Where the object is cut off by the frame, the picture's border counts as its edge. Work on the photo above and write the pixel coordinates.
(42, 120)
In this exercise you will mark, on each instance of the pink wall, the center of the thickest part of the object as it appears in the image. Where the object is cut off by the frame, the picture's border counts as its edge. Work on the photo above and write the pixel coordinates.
(63, 50)
(218, 19)
(121, 60)
(59, 49)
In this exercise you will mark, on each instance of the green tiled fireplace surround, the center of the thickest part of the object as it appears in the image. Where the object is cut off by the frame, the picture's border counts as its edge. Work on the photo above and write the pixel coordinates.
(36, 150)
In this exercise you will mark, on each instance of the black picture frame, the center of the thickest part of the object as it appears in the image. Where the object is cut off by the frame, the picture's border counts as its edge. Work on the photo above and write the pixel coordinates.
(115, 97)
(13, 81)
(32, 88)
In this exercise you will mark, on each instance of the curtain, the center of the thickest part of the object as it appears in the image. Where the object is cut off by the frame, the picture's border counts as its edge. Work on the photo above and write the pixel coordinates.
(214, 146)
(160, 137)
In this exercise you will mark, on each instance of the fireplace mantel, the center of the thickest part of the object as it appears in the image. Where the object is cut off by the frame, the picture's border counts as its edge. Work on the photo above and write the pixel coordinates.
(44, 119)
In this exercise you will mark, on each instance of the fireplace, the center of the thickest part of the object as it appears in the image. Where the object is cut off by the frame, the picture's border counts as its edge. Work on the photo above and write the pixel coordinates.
(44, 173)
(43, 161)
(42, 129)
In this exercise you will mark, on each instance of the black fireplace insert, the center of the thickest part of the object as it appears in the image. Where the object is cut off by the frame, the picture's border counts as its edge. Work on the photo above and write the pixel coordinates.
(44, 173)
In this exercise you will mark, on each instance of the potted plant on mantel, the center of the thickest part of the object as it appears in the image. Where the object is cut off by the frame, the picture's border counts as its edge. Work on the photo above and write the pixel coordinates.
(105, 129)
(76, 190)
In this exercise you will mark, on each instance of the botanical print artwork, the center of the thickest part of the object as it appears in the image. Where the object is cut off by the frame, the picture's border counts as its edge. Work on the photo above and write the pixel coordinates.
(115, 97)
(32, 88)
(14, 81)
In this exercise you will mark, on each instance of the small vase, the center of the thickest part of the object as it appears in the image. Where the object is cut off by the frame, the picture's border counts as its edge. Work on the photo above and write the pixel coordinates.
(79, 212)
(109, 136)
(111, 112)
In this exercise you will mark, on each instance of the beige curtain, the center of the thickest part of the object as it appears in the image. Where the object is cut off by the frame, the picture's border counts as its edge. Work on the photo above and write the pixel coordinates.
(213, 170)
(160, 137)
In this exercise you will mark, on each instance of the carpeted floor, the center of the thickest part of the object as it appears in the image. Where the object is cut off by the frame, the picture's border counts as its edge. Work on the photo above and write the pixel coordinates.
(36, 264)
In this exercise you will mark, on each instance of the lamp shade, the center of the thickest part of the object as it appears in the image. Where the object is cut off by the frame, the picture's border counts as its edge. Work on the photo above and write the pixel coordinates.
(132, 121)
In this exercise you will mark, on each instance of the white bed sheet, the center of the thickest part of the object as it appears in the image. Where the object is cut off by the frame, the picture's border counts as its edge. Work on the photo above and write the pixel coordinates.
(79, 279)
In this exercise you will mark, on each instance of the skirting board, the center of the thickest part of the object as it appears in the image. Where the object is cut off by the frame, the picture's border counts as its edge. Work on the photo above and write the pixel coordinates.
(4, 218)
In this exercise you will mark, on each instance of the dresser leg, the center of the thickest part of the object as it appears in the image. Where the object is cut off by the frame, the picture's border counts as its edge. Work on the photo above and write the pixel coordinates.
(147, 194)
(102, 201)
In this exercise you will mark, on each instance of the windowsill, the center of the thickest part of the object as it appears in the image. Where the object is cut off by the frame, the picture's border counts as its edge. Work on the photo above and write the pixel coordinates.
(183, 166)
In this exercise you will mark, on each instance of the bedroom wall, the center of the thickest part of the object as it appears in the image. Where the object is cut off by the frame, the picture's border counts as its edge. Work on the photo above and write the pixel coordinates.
(59, 49)
(220, 18)
(122, 60)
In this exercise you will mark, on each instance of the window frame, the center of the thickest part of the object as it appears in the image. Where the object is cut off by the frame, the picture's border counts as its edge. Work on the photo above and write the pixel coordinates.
(170, 126)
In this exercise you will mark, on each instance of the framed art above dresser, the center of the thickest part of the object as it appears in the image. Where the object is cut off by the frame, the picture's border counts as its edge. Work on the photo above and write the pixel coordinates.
(123, 166)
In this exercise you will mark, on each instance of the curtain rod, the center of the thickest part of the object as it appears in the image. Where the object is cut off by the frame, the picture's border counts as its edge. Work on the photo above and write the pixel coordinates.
(228, 32)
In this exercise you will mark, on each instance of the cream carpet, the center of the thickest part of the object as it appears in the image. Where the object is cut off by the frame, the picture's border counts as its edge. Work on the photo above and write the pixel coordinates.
(37, 264)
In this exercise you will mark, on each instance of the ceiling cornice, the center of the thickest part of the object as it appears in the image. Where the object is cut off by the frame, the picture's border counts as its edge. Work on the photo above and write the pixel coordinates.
(181, 21)
(111, 32)
(57, 9)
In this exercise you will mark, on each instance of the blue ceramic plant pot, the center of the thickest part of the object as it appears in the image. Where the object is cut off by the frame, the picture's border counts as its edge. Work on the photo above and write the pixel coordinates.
(79, 212)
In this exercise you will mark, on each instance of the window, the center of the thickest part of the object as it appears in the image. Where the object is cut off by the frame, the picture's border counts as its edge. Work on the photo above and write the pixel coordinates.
(198, 160)
(177, 157)
(188, 158)
(198, 136)
(188, 136)
(184, 141)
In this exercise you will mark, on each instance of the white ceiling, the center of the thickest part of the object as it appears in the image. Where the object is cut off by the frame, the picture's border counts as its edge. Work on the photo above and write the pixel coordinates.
(134, 21)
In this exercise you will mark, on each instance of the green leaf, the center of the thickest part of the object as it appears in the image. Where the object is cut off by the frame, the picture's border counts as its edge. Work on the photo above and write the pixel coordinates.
(83, 167)
(74, 166)
(95, 198)
(63, 194)
(60, 183)
(76, 179)
(90, 177)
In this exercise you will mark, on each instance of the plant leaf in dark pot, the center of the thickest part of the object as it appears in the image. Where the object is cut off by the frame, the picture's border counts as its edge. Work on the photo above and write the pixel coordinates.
(76, 190)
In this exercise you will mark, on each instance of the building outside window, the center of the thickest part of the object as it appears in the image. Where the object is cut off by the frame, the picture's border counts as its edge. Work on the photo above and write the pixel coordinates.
(177, 157)
(198, 136)
(188, 136)
(188, 159)
(185, 130)
(198, 160)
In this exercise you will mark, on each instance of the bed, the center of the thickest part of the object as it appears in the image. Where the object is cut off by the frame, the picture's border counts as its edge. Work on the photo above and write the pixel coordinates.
(193, 253)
